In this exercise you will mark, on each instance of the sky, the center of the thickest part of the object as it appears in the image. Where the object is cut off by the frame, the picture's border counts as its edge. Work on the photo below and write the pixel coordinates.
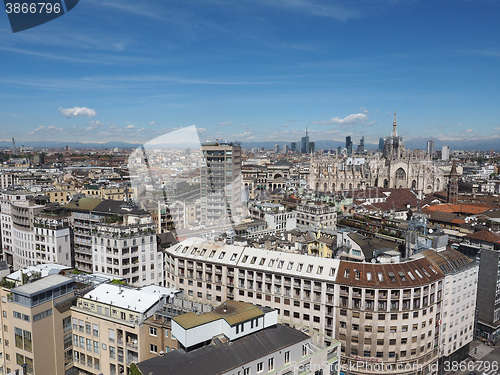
(255, 70)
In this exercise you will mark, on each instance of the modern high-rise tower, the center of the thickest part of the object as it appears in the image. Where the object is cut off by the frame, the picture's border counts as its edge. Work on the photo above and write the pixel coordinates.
(348, 145)
(445, 153)
(430, 148)
(304, 144)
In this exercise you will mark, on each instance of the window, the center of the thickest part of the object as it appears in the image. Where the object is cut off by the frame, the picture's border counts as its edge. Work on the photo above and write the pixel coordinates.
(287, 357)
(270, 364)
(112, 352)
(153, 348)
(260, 366)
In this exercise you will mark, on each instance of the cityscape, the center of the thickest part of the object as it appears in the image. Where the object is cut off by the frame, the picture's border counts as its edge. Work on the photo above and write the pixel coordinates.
(300, 187)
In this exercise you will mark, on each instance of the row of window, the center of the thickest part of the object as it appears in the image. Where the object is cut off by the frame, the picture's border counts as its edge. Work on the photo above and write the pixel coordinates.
(90, 345)
(92, 362)
(369, 316)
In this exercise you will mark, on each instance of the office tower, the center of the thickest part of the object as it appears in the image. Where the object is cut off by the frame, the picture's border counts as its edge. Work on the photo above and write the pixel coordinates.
(276, 148)
(348, 145)
(361, 146)
(381, 144)
(430, 148)
(286, 148)
(304, 144)
(293, 146)
(312, 147)
(221, 182)
(445, 153)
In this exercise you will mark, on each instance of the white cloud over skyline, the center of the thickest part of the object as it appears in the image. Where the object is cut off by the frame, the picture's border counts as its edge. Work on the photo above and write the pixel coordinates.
(78, 112)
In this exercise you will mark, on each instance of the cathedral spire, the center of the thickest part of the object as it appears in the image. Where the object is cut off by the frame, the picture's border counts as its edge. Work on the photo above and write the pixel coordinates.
(394, 126)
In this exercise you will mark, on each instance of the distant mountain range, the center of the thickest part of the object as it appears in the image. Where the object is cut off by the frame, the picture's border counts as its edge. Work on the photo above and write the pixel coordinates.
(414, 143)
(61, 144)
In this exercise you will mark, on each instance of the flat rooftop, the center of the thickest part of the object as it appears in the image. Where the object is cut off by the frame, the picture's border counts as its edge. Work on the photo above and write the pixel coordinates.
(41, 285)
(233, 312)
(123, 297)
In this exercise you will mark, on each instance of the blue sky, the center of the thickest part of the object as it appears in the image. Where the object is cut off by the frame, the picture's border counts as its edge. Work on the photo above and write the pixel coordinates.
(254, 70)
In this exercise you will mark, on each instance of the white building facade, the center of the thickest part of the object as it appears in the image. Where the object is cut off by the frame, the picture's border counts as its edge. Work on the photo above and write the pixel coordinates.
(129, 252)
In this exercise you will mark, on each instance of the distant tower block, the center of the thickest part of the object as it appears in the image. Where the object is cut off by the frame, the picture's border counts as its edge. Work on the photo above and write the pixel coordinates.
(452, 193)
(13, 145)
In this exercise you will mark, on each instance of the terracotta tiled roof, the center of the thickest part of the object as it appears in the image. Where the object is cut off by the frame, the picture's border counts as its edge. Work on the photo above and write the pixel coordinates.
(472, 209)
(484, 235)
(392, 275)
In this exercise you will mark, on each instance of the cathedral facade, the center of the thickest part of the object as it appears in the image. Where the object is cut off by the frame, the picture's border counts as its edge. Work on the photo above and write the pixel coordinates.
(395, 167)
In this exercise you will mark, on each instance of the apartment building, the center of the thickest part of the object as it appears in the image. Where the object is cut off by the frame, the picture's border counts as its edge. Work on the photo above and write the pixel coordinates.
(375, 310)
(82, 222)
(22, 217)
(36, 326)
(87, 214)
(459, 302)
(316, 216)
(6, 221)
(300, 287)
(34, 232)
(484, 247)
(277, 218)
(8, 179)
(220, 182)
(110, 330)
(52, 236)
(128, 251)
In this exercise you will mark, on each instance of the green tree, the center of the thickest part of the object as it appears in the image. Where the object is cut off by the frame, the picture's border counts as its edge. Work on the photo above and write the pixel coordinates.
(134, 370)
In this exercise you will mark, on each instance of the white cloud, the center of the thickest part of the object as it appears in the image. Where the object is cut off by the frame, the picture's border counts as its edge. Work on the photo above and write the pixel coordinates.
(129, 127)
(78, 112)
(225, 123)
(45, 130)
(93, 125)
(152, 123)
(497, 128)
(468, 130)
(352, 119)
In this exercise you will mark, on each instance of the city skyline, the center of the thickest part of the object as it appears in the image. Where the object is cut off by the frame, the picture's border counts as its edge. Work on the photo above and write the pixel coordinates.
(123, 71)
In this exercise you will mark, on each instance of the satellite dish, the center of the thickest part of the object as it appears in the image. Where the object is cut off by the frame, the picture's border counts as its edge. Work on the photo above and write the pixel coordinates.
(430, 230)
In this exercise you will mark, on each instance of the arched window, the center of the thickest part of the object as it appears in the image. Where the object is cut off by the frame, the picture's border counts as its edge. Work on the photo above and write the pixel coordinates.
(400, 174)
